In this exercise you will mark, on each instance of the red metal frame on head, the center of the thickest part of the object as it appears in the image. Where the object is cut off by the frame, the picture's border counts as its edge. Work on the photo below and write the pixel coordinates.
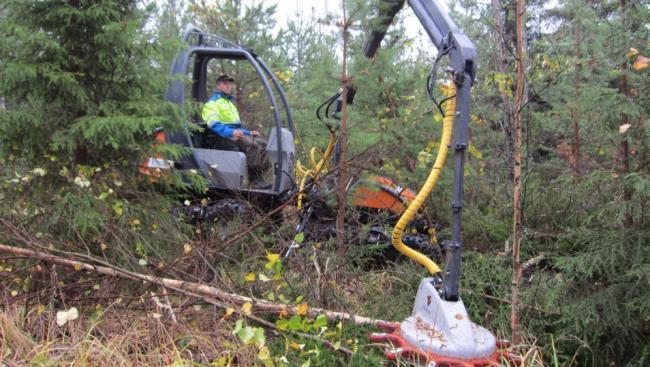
(401, 348)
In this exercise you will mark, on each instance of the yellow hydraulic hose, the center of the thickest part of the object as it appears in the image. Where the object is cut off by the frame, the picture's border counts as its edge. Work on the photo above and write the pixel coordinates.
(317, 167)
(447, 127)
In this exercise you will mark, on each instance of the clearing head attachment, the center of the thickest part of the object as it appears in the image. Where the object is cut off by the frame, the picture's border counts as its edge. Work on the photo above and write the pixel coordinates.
(439, 333)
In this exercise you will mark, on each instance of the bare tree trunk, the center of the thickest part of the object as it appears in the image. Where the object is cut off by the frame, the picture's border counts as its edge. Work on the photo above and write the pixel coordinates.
(575, 112)
(343, 140)
(517, 208)
(623, 154)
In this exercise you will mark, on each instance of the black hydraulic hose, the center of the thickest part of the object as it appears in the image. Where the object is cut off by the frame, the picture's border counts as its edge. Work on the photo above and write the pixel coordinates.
(327, 102)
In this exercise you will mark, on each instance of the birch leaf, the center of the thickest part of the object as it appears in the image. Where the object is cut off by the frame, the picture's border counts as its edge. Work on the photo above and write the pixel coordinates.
(247, 307)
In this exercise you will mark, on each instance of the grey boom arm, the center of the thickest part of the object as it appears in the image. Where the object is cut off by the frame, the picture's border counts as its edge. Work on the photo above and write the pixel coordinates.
(448, 39)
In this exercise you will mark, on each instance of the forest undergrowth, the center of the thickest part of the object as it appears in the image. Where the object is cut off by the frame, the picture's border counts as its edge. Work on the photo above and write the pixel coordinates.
(96, 270)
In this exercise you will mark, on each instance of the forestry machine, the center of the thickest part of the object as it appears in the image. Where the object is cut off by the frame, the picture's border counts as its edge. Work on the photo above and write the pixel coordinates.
(225, 167)
(439, 331)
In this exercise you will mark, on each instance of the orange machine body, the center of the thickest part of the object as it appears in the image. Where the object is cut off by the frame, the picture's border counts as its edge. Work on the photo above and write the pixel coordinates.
(379, 192)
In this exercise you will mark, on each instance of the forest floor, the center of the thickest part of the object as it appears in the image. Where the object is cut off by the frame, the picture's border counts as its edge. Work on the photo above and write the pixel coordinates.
(58, 316)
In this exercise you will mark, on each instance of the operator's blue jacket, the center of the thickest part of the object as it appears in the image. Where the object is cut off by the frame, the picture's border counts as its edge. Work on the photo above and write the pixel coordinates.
(221, 115)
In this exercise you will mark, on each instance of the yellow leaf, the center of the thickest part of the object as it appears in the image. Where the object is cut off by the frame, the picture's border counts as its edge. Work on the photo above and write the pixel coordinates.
(264, 353)
(103, 246)
(477, 120)
(250, 277)
(295, 346)
(221, 362)
(475, 152)
(77, 267)
(640, 63)
(187, 248)
(229, 311)
(284, 313)
(264, 278)
(272, 257)
(302, 308)
(247, 307)
(633, 51)
(40, 310)
(14, 293)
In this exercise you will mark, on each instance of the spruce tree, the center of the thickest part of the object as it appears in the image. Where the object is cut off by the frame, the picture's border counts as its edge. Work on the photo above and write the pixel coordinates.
(84, 96)
(79, 81)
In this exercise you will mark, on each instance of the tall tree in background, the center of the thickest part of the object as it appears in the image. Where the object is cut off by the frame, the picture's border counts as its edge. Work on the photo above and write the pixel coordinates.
(575, 109)
(504, 41)
(172, 20)
(517, 184)
(623, 153)
(343, 141)
(313, 70)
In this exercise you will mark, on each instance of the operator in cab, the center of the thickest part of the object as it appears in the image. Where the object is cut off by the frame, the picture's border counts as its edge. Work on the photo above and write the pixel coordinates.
(222, 118)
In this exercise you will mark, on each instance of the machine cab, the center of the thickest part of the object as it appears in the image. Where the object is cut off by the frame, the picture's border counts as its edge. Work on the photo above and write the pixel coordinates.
(265, 108)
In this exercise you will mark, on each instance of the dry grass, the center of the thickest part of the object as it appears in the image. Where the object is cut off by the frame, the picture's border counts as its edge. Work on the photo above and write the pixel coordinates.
(119, 336)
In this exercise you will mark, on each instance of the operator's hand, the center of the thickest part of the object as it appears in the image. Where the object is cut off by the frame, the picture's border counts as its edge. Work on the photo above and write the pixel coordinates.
(237, 134)
(255, 133)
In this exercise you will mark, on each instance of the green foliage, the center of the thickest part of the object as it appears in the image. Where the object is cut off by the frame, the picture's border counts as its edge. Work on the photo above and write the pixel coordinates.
(599, 269)
(589, 288)
(79, 82)
(82, 88)
(83, 99)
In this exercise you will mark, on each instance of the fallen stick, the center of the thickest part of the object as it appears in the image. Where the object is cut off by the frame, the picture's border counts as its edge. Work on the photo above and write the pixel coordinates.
(197, 288)
(533, 262)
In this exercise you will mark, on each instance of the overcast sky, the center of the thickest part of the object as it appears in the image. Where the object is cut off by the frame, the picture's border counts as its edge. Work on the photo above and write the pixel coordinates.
(289, 9)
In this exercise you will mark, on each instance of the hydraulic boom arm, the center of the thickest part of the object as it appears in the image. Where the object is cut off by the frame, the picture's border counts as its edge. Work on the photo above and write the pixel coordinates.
(451, 41)
(439, 331)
